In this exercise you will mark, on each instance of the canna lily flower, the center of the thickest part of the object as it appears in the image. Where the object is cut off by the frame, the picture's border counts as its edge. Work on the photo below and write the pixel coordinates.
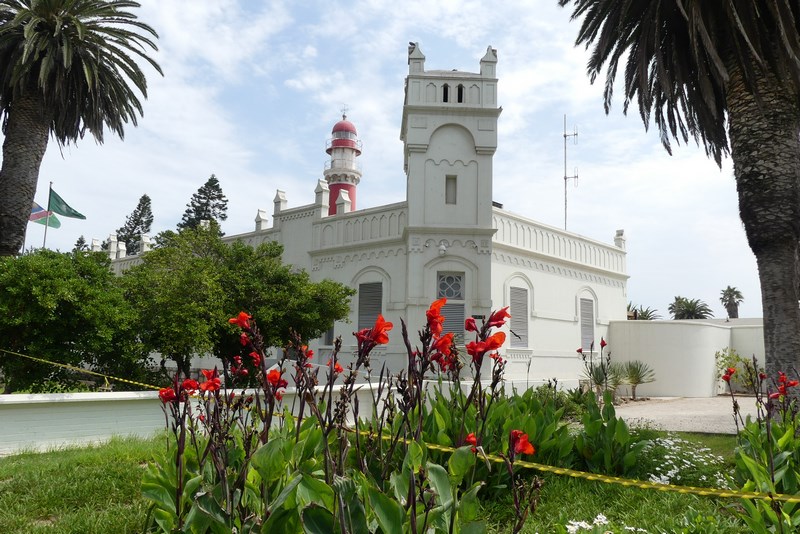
(435, 319)
(472, 440)
(477, 349)
(470, 325)
(443, 344)
(256, 358)
(580, 350)
(167, 395)
(377, 334)
(519, 443)
(243, 339)
(730, 370)
(242, 320)
(498, 318)
(191, 385)
(338, 369)
(212, 382)
(726, 377)
(602, 343)
(274, 377)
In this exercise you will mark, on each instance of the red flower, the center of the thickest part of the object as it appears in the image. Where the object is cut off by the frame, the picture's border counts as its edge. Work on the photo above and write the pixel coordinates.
(443, 344)
(519, 443)
(726, 378)
(602, 343)
(191, 385)
(167, 395)
(243, 320)
(580, 350)
(279, 395)
(495, 356)
(792, 383)
(243, 339)
(212, 382)
(274, 377)
(377, 334)
(472, 440)
(762, 376)
(478, 348)
(336, 368)
(731, 370)
(470, 325)
(781, 377)
(256, 358)
(201, 418)
(498, 318)
(435, 319)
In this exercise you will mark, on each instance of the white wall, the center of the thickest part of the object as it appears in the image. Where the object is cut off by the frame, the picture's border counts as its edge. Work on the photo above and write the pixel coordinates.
(681, 353)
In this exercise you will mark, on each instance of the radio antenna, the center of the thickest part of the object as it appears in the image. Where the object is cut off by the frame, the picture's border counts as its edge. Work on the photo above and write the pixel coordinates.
(574, 176)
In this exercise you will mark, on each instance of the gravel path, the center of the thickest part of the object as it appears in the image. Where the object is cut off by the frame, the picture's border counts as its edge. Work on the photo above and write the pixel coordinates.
(711, 415)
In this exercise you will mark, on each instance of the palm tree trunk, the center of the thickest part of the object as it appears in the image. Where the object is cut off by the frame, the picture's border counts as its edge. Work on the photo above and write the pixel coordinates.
(27, 132)
(765, 147)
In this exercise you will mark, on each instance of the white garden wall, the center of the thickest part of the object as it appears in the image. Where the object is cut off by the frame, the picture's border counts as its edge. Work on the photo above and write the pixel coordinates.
(682, 352)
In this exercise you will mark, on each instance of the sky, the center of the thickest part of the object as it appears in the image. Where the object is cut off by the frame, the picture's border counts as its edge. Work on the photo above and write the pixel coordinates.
(251, 91)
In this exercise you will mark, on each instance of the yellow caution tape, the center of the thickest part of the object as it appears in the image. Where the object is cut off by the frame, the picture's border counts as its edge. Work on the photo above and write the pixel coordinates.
(563, 471)
(80, 370)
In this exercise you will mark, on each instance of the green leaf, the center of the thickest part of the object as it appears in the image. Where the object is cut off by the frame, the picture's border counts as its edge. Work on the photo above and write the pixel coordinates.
(440, 482)
(469, 506)
(460, 462)
(285, 521)
(311, 490)
(400, 484)
(270, 460)
(289, 490)
(210, 507)
(161, 496)
(473, 527)
(414, 455)
(388, 513)
(317, 520)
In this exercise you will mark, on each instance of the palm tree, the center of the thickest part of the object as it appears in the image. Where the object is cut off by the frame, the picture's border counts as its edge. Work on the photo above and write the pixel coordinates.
(731, 298)
(641, 313)
(66, 67)
(637, 372)
(695, 67)
(683, 308)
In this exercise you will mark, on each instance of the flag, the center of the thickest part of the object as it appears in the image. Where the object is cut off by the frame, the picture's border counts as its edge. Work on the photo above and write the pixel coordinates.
(57, 205)
(42, 216)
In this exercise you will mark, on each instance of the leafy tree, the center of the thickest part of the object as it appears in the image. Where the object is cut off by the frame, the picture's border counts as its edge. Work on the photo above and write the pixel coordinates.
(136, 224)
(188, 287)
(683, 308)
(713, 71)
(80, 245)
(66, 68)
(67, 308)
(731, 298)
(641, 313)
(207, 204)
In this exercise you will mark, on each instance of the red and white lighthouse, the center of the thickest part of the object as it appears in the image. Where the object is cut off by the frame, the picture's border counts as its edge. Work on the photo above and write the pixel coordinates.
(342, 172)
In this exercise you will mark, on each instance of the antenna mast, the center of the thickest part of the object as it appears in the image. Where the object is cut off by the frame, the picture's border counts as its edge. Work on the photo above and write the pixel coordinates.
(574, 176)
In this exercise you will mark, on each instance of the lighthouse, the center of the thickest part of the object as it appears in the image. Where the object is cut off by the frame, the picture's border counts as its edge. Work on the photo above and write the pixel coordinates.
(342, 171)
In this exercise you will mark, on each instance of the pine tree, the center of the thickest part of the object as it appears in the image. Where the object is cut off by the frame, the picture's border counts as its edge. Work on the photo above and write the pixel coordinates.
(208, 204)
(136, 224)
(80, 245)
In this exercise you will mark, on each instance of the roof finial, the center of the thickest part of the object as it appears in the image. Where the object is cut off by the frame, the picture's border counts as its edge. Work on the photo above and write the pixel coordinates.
(344, 111)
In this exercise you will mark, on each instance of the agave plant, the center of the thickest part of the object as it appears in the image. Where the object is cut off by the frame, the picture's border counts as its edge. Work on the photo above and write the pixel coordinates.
(637, 372)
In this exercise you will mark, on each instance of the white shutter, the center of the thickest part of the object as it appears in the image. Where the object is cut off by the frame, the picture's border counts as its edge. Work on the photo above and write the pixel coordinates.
(370, 304)
(587, 323)
(454, 320)
(519, 317)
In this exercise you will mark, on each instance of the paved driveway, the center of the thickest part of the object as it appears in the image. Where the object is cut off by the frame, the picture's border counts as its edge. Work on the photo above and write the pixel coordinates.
(711, 415)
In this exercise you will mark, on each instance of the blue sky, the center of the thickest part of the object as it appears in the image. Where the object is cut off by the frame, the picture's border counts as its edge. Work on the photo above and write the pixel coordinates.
(251, 90)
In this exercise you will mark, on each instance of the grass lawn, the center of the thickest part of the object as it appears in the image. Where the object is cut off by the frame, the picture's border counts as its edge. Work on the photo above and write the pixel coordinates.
(97, 490)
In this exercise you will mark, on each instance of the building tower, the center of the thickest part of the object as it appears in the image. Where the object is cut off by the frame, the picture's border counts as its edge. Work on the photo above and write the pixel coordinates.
(342, 172)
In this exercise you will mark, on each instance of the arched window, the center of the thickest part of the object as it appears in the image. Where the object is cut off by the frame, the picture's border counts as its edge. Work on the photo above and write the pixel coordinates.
(445, 93)
(460, 94)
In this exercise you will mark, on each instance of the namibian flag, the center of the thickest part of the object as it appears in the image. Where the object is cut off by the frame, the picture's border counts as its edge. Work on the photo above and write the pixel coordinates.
(42, 216)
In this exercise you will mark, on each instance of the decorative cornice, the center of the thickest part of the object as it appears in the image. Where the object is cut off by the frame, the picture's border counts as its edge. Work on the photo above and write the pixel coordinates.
(340, 260)
(558, 270)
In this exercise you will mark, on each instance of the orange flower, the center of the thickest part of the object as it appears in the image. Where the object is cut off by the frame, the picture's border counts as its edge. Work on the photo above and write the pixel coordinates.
(498, 318)
(435, 319)
(243, 320)
(519, 443)
(471, 439)
(378, 332)
(443, 344)
(212, 382)
(191, 385)
(336, 368)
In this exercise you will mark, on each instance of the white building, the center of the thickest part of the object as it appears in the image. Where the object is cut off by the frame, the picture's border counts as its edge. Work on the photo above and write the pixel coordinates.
(448, 239)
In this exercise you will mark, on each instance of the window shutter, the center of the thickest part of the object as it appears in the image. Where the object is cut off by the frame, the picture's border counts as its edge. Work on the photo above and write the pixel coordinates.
(370, 304)
(587, 323)
(519, 317)
(454, 320)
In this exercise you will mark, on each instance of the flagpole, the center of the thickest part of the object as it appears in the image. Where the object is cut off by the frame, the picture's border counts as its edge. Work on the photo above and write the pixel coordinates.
(47, 219)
